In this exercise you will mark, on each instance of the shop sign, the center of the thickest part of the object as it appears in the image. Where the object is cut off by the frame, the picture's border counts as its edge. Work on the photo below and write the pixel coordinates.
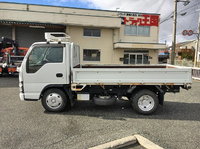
(145, 20)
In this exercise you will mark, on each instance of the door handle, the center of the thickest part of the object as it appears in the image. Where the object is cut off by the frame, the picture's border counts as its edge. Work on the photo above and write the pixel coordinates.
(59, 75)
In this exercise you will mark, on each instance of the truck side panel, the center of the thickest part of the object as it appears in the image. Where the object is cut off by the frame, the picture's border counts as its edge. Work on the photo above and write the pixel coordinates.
(138, 76)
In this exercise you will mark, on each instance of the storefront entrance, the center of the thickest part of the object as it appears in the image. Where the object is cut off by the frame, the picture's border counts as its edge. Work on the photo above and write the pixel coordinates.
(136, 57)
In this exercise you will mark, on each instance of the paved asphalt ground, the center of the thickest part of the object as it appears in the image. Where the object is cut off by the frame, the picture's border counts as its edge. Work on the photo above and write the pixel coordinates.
(25, 124)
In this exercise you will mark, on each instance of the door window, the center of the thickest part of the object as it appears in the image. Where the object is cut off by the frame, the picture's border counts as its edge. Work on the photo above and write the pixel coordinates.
(40, 55)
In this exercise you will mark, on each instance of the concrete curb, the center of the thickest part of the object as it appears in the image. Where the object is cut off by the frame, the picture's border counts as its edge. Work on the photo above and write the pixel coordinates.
(127, 141)
(117, 143)
(146, 143)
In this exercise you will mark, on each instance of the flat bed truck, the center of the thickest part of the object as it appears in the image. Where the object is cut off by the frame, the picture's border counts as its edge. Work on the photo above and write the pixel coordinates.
(51, 71)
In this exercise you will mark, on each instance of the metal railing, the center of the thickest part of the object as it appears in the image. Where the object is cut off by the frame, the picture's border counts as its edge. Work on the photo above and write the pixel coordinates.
(188, 63)
(196, 73)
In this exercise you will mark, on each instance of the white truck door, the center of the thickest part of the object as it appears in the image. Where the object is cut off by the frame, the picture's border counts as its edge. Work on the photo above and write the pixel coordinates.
(44, 65)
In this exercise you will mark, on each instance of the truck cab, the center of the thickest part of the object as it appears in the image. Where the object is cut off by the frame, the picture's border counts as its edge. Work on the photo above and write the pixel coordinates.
(46, 65)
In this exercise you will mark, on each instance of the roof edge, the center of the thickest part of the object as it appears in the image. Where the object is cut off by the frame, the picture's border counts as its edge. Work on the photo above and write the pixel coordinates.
(78, 8)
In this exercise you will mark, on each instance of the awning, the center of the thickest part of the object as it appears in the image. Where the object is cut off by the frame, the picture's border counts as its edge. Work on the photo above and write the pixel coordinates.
(134, 45)
(32, 24)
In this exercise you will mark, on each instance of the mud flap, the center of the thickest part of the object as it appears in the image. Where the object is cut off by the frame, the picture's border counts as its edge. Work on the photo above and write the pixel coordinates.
(161, 98)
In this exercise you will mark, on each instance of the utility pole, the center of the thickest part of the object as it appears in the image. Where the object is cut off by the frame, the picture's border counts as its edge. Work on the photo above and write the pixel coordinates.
(174, 33)
(197, 47)
(186, 2)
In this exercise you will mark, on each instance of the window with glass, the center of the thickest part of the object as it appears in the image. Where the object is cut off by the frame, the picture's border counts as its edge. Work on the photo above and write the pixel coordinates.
(40, 55)
(137, 30)
(136, 57)
(91, 55)
(92, 32)
(144, 30)
(130, 30)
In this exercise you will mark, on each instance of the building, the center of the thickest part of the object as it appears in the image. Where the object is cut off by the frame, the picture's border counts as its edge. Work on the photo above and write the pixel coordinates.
(186, 49)
(105, 37)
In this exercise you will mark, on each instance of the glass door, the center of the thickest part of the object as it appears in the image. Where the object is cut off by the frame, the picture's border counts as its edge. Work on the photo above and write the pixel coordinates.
(139, 59)
(132, 58)
(135, 58)
(126, 58)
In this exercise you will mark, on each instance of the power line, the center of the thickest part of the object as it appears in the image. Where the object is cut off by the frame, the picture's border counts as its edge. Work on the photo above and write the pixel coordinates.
(127, 4)
(169, 36)
(167, 18)
(178, 34)
(152, 4)
(179, 13)
(130, 4)
(190, 10)
(181, 24)
(191, 7)
(160, 6)
(145, 5)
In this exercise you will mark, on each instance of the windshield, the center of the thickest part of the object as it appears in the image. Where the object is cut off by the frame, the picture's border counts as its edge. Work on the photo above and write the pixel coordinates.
(40, 55)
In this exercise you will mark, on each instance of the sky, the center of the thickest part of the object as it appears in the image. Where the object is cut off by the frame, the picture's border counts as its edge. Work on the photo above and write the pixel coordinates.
(187, 16)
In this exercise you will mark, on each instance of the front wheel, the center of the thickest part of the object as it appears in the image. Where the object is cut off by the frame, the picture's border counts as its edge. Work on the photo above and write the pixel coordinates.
(145, 102)
(54, 100)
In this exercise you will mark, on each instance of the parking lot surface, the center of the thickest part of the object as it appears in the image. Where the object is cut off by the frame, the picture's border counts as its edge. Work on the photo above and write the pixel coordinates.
(25, 124)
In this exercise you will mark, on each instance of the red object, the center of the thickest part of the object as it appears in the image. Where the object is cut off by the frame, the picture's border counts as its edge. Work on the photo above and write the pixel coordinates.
(147, 20)
(185, 32)
(154, 20)
(134, 22)
(190, 32)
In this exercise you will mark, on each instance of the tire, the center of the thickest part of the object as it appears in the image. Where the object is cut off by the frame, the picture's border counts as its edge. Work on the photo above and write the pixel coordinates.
(104, 100)
(54, 100)
(145, 102)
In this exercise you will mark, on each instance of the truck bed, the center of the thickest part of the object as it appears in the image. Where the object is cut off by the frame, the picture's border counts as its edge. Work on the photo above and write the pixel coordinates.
(131, 75)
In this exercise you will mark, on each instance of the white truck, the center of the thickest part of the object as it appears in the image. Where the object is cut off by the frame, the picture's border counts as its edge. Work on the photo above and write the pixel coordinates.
(51, 71)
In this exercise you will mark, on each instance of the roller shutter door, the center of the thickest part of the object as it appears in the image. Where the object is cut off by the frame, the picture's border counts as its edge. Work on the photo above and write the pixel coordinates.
(5, 31)
(26, 36)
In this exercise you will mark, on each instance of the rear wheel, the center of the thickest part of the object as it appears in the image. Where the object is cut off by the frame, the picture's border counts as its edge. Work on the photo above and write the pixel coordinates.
(54, 100)
(145, 102)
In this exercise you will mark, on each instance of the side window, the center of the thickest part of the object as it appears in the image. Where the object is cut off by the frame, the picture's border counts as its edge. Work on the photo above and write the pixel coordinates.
(91, 55)
(41, 55)
(91, 32)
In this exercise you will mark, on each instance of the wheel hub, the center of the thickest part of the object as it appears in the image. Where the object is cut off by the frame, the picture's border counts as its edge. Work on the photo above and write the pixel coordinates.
(54, 100)
(146, 103)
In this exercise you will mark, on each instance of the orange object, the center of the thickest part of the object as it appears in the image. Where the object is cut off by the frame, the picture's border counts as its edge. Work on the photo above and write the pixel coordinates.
(22, 51)
(12, 69)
